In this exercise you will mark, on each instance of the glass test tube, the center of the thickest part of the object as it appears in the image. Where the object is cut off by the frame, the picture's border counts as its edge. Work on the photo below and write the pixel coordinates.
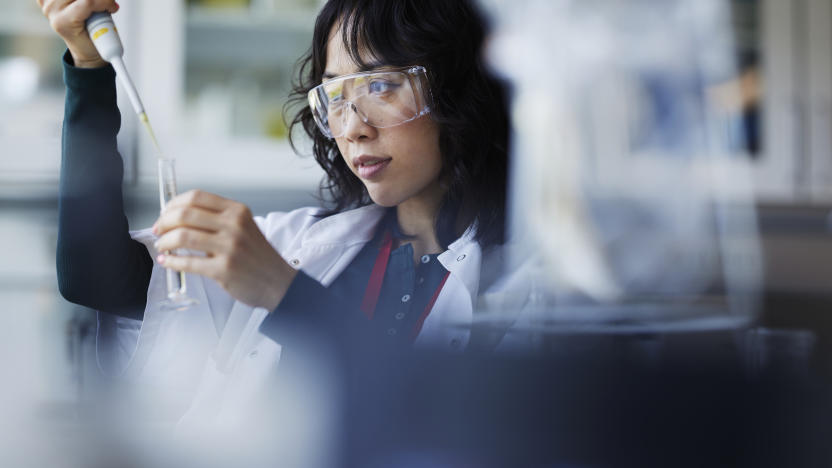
(176, 286)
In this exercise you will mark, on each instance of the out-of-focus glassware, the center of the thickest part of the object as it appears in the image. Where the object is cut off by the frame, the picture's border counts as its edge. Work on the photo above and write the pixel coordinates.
(629, 210)
(232, 87)
(31, 102)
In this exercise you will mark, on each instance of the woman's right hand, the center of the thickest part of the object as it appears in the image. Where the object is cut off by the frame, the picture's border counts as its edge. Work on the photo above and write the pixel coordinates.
(67, 18)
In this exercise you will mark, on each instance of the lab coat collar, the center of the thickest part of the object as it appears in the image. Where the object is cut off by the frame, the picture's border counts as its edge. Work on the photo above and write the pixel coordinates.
(350, 227)
(463, 259)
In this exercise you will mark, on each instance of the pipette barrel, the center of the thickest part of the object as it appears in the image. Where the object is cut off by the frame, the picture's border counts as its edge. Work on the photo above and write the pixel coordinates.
(102, 31)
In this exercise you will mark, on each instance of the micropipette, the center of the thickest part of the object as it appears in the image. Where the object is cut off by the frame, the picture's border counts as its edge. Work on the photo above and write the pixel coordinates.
(102, 31)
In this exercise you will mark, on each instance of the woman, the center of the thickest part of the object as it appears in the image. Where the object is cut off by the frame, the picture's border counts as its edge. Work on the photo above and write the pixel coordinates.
(411, 133)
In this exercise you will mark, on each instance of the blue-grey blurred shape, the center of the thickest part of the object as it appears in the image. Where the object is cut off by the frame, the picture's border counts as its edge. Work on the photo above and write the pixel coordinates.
(628, 208)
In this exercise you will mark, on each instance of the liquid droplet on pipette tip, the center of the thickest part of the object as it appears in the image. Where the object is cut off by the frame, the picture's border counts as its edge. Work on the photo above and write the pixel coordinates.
(146, 122)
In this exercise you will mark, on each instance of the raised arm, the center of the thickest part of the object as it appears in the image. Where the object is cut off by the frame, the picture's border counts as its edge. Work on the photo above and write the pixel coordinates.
(98, 264)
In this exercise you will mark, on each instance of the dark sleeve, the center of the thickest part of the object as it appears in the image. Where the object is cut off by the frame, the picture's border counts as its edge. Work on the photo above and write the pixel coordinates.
(310, 311)
(98, 264)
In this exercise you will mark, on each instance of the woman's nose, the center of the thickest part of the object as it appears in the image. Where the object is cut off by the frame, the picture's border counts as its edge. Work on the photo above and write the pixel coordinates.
(355, 124)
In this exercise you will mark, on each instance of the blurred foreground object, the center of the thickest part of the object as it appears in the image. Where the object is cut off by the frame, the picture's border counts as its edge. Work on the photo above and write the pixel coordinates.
(628, 205)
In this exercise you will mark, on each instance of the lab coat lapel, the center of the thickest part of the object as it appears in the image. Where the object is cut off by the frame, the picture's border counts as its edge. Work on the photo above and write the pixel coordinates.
(331, 244)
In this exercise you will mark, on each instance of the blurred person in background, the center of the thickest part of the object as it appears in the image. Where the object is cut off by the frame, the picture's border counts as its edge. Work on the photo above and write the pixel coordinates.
(411, 131)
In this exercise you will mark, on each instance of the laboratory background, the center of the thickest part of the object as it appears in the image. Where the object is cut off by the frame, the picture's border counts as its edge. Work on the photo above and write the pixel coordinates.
(671, 179)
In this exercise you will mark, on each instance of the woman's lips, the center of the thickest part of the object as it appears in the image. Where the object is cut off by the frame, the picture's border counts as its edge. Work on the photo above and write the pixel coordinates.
(370, 167)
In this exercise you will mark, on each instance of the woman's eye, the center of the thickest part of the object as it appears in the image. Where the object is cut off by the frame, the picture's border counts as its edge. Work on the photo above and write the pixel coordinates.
(381, 87)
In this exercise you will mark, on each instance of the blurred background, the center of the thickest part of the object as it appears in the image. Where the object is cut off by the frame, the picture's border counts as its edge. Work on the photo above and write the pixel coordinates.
(214, 76)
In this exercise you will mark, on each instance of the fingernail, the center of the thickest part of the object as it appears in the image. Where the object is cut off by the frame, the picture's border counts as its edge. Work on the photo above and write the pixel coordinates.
(156, 245)
(160, 259)
(155, 229)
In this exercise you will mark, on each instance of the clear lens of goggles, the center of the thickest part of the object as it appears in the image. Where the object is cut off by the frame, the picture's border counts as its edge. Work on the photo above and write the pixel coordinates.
(380, 99)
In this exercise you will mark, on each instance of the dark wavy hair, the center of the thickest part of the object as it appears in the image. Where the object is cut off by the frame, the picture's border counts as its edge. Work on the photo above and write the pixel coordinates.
(469, 105)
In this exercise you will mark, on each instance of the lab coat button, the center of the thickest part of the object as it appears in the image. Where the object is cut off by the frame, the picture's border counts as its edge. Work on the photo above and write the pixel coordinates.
(253, 354)
(421, 280)
(295, 262)
(425, 258)
(391, 331)
(460, 258)
(399, 315)
(406, 298)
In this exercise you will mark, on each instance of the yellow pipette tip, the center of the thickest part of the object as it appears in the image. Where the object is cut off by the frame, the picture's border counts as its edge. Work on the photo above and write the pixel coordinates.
(146, 122)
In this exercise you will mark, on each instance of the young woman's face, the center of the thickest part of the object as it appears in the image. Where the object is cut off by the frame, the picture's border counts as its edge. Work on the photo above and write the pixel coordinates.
(397, 163)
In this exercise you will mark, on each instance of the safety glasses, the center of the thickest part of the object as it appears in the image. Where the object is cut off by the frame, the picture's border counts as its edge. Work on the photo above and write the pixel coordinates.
(380, 99)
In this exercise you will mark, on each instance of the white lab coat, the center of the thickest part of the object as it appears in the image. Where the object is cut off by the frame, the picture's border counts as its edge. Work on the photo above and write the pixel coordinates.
(205, 369)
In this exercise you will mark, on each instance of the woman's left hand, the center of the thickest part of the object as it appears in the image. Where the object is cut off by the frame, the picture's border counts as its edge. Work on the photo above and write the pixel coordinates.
(237, 255)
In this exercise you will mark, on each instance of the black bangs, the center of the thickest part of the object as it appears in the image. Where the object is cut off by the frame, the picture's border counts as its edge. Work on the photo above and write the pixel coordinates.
(389, 35)
(469, 105)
